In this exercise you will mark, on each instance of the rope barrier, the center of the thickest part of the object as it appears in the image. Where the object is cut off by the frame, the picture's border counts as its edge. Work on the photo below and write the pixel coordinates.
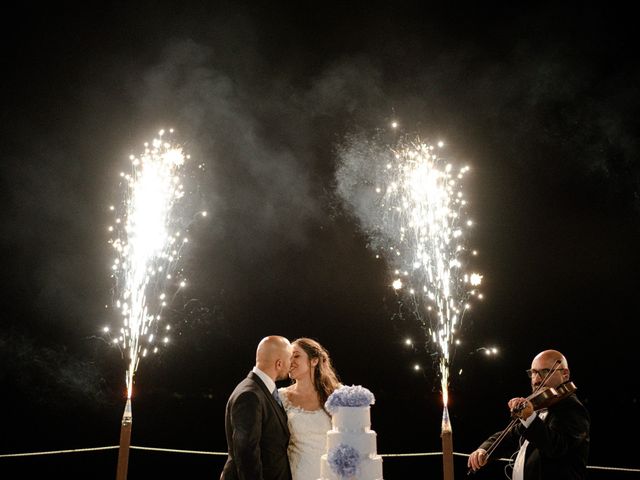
(54, 452)
(428, 454)
(173, 450)
(200, 452)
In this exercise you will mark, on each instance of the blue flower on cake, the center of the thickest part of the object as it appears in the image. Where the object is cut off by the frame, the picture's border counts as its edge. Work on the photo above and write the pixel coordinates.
(349, 396)
(344, 460)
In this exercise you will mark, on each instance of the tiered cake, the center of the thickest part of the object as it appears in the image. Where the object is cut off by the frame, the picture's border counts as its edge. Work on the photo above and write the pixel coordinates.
(351, 444)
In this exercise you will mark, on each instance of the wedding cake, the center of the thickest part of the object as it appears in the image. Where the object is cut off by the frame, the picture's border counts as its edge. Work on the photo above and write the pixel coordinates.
(351, 444)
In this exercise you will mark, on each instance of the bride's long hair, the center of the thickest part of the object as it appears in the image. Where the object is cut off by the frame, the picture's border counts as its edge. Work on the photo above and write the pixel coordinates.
(325, 378)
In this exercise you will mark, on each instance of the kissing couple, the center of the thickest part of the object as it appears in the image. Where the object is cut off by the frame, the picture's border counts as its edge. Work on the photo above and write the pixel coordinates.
(279, 434)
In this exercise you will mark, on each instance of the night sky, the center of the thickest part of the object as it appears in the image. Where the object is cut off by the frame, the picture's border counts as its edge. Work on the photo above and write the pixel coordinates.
(541, 102)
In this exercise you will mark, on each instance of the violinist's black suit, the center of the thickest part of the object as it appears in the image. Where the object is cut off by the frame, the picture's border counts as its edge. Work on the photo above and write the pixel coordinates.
(558, 445)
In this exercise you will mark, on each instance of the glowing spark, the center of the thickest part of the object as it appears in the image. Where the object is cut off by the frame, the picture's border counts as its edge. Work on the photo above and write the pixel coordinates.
(488, 351)
(154, 187)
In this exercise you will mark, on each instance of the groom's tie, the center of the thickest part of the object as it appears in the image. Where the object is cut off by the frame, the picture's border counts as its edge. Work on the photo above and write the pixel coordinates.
(276, 395)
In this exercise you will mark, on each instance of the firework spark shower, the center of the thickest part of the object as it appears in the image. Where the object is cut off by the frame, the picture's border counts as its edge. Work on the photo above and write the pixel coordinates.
(148, 244)
(409, 201)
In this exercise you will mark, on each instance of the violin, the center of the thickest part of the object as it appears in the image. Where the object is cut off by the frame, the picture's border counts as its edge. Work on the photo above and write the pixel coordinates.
(545, 397)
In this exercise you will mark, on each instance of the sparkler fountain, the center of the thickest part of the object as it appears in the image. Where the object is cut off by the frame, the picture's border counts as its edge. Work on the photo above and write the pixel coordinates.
(408, 200)
(147, 252)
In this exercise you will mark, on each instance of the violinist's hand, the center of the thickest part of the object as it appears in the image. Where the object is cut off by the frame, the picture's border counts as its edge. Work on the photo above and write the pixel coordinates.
(520, 408)
(477, 459)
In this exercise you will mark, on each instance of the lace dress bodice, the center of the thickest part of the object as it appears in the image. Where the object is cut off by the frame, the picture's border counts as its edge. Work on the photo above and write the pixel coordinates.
(307, 443)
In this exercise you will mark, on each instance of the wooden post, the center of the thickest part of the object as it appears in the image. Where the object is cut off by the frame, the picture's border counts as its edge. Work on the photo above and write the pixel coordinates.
(125, 441)
(447, 445)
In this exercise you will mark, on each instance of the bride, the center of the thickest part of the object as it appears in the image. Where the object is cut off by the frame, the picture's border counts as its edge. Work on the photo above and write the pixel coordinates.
(314, 379)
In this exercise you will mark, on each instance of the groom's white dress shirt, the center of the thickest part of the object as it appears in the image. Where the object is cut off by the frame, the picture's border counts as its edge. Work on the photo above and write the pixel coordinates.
(268, 381)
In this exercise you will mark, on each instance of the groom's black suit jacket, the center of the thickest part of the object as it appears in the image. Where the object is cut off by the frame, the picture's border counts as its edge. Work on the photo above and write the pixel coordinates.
(257, 434)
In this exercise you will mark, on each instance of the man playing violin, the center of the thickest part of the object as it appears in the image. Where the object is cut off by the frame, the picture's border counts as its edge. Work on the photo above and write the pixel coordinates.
(551, 426)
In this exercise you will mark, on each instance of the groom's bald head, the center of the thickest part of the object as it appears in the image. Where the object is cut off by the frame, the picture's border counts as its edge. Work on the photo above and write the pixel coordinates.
(273, 356)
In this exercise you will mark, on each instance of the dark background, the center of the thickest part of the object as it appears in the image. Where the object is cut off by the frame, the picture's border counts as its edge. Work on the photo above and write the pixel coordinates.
(541, 101)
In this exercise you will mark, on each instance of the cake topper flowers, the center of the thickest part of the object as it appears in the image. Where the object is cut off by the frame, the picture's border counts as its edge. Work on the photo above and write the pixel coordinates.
(349, 396)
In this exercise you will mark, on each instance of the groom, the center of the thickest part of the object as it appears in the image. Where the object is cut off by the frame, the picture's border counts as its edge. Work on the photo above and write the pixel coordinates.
(255, 423)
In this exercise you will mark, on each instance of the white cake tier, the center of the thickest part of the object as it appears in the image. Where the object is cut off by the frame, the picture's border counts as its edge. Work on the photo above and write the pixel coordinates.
(351, 419)
(363, 442)
(369, 469)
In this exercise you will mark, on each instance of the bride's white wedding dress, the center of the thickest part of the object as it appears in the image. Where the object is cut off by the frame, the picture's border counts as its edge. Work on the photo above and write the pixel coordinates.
(307, 444)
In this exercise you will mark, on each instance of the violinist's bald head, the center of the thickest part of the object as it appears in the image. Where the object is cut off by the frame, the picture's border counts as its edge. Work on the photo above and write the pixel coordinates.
(549, 357)
(546, 360)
